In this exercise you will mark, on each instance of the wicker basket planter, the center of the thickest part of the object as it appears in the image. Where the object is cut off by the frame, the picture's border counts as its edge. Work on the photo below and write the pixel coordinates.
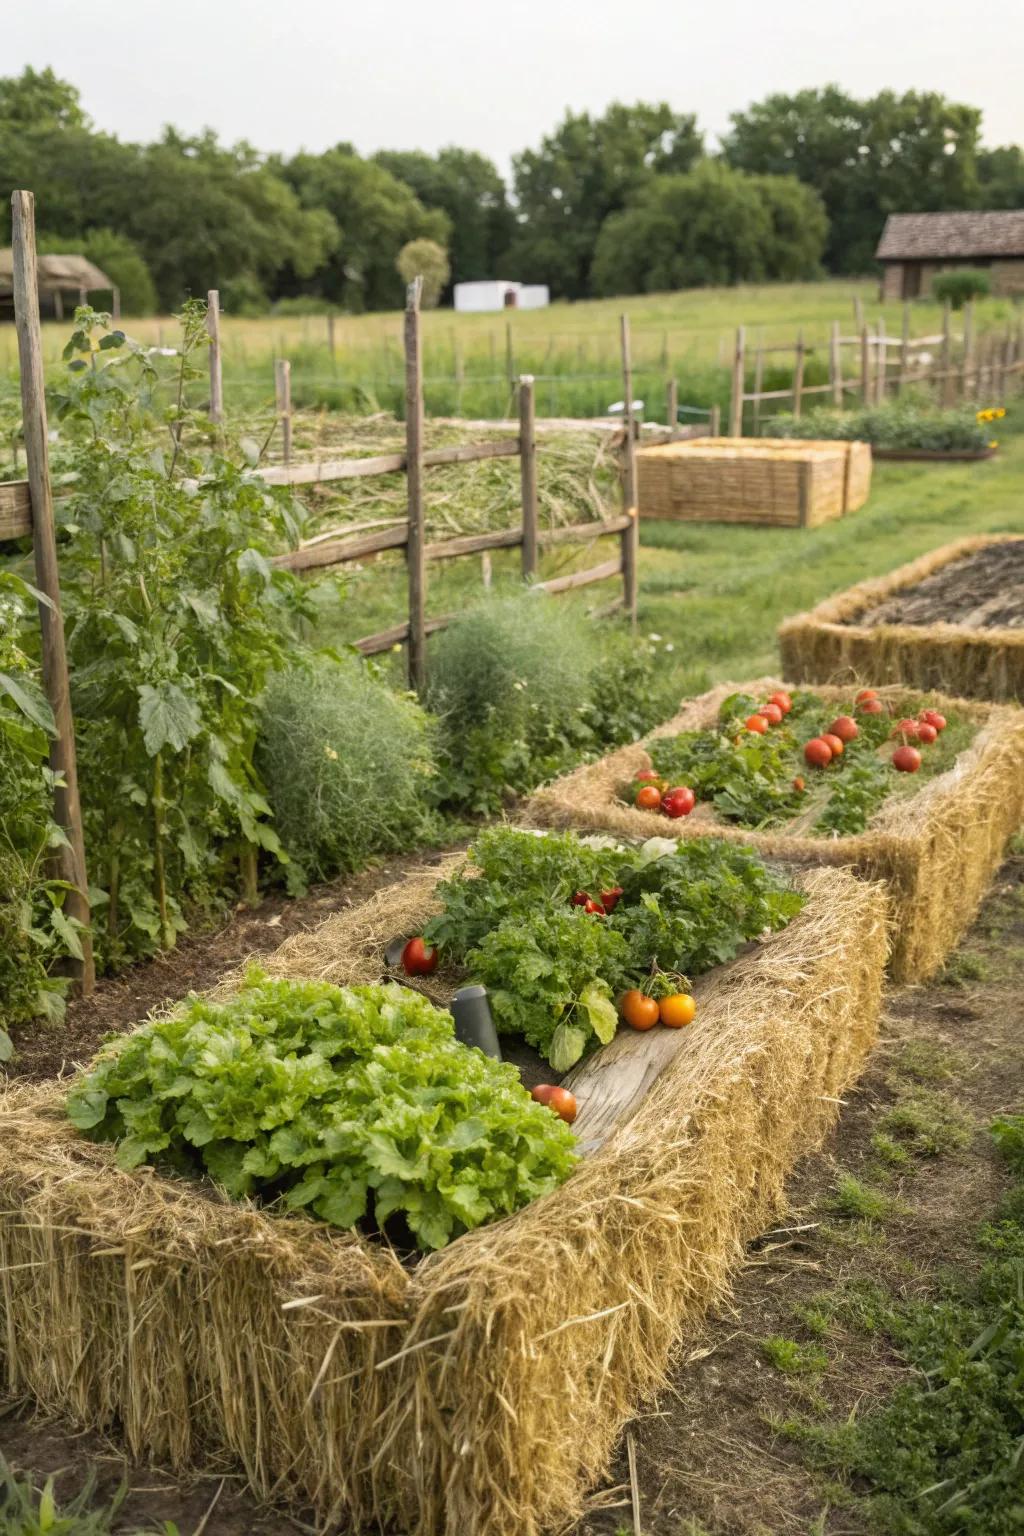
(781, 483)
(838, 641)
(481, 1391)
(937, 850)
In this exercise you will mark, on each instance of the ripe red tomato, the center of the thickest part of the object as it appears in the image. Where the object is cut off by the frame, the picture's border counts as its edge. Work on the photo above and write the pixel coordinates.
(772, 713)
(783, 700)
(799, 785)
(648, 798)
(845, 728)
(611, 898)
(638, 1009)
(564, 1105)
(417, 959)
(758, 724)
(871, 706)
(933, 717)
(594, 908)
(834, 743)
(677, 1010)
(866, 693)
(906, 759)
(646, 776)
(580, 898)
(678, 802)
(818, 753)
(906, 728)
(543, 1091)
(926, 733)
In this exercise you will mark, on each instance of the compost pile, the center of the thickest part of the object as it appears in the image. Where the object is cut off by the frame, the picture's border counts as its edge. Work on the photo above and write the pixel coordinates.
(985, 590)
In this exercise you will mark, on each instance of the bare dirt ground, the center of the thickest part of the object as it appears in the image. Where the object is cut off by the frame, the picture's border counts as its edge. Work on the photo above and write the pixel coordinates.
(983, 591)
(709, 1459)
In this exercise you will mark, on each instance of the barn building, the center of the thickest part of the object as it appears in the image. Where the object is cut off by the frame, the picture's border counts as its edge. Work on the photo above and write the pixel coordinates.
(69, 279)
(914, 246)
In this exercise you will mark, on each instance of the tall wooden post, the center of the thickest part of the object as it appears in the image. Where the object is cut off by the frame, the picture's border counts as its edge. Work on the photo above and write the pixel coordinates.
(631, 535)
(715, 421)
(901, 382)
(881, 362)
(947, 354)
(865, 367)
(738, 379)
(528, 473)
(858, 313)
(416, 563)
(510, 357)
(835, 365)
(283, 391)
(70, 860)
(798, 375)
(967, 362)
(330, 336)
(758, 386)
(216, 373)
(672, 404)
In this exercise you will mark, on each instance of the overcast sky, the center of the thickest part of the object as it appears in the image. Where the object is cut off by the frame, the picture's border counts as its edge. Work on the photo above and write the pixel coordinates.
(307, 73)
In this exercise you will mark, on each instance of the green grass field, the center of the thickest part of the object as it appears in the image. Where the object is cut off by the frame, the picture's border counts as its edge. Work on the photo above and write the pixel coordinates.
(572, 349)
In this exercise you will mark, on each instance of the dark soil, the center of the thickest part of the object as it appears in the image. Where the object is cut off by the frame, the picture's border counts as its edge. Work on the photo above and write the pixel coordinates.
(708, 1461)
(983, 591)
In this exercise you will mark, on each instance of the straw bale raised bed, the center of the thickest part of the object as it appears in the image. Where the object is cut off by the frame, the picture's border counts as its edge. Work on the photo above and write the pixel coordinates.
(840, 638)
(785, 483)
(937, 850)
(481, 1391)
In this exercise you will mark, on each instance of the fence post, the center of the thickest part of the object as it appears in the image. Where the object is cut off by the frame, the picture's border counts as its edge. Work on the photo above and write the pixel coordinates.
(216, 372)
(330, 336)
(414, 554)
(631, 534)
(283, 391)
(510, 356)
(738, 378)
(968, 354)
(865, 367)
(835, 365)
(858, 313)
(901, 382)
(798, 375)
(672, 404)
(70, 860)
(528, 473)
(715, 421)
(881, 362)
(758, 386)
(947, 353)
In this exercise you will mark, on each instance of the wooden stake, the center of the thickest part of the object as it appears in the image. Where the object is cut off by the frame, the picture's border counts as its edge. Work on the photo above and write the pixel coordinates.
(216, 375)
(947, 354)
(901, 382)
(798, 375)
(283, 390)
(69, 860)
(631, 535)
(968, 356)
(865, 367)
(416, 563)
(835, 365)
(330, 336)
(738, 378)
(528, 474)
(881, 362)
(672, 404)
(758, 386)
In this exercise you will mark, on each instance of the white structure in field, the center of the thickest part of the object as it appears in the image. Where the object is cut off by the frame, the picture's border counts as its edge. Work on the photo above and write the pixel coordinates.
(478, 298)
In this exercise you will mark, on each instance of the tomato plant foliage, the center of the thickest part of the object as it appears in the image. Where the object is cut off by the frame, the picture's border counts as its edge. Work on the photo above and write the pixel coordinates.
(349, 1102)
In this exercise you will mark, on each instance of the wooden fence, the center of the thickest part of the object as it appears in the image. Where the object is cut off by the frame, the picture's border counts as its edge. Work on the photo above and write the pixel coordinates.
(956, 366)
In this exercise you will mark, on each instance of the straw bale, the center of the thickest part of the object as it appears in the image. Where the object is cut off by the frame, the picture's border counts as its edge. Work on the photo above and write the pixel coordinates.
(827, 644)
(481, 1391)
(782, 482)
(937, 849)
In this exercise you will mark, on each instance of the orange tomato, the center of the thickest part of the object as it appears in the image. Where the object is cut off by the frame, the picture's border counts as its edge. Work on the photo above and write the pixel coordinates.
(845, 728)
(677, 1010)
(639, 1010)
(758, 724)
(817, 752)
(648, 798)
(834, 743)
(564, 1105)
(783, 700)
(866, 693)
(771, 712)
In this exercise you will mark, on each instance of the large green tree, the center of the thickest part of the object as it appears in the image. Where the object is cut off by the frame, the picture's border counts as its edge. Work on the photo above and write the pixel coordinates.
(1001, 177)
(712, 225)
(588, 168)
(866, 158)
(467, 187)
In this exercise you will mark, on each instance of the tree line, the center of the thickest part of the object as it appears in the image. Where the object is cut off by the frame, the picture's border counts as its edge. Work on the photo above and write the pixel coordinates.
(627, 201)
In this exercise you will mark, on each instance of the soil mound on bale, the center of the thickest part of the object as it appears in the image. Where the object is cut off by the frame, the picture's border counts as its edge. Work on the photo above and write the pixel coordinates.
(985, 590)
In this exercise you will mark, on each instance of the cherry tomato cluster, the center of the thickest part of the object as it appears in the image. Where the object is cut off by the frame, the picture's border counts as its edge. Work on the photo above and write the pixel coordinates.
(655, 795)
(821, 750)
(608, 901)
(771, 713)
(641, 1011)
(925, 729)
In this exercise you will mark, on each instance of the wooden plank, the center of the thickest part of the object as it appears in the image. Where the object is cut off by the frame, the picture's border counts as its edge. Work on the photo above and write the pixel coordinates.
(416, 564)
(15, 509)
(528, 474)
(738, 377)
(798, 376)
(398, 634)
(216, 407)
(835, 365)
(327, 552)
(901, 381)
(283, 394)
(327, 470)
(70, 859)
(580, 532)
(583, 578)
(473, 544)
(672, 403)
(467, 453)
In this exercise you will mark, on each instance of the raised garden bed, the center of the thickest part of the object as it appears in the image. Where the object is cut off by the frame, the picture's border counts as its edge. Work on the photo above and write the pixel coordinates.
(936, 843)
(952, 620)
(753, 480)
(482, 1388)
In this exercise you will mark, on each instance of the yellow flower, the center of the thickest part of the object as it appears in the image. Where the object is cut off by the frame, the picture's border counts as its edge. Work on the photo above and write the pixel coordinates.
(998, 415)
(994, 443)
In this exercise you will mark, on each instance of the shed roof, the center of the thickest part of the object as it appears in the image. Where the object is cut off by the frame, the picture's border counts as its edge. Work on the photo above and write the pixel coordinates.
(922, 236)
(57, 272)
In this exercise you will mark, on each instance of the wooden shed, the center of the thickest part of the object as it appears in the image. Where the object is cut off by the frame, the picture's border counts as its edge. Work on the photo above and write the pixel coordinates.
(61, 277)
(915, 246)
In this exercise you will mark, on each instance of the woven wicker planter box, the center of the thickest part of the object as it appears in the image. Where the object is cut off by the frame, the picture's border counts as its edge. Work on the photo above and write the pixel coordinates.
(786, 484)
(480, 1392)
(937, 850)
(833, 643)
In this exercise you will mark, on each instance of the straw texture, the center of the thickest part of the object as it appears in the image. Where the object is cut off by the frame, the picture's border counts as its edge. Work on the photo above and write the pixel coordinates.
(828, 644)
(480, 1392)
(937, 850)
(786, 483)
